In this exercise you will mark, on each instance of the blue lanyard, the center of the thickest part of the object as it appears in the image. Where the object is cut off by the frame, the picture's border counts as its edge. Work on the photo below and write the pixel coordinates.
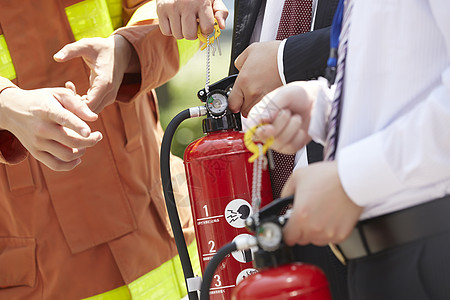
(334, 42)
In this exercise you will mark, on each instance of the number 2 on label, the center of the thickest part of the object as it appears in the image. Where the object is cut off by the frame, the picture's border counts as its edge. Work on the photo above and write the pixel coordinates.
(212, 250)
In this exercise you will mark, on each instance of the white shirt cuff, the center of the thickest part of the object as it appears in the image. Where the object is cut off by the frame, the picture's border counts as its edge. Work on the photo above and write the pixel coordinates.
(320, 112)
(280, 61)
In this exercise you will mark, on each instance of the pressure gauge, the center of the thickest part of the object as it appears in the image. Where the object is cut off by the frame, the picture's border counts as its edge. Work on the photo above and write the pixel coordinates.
(269, 236)
(217, 104)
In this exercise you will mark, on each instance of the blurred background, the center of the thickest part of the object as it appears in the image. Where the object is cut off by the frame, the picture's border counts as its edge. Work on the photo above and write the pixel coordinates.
(181, 91)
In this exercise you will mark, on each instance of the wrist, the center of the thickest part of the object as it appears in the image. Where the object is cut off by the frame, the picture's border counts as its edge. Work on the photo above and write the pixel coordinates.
(126, 51)
(5, 96)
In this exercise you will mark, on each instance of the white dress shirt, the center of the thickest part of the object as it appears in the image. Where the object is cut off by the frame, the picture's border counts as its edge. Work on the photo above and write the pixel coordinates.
(394, 145)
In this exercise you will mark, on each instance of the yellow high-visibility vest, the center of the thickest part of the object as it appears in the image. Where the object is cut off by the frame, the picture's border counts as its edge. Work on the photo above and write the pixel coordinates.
(165, 282)
(99, 18)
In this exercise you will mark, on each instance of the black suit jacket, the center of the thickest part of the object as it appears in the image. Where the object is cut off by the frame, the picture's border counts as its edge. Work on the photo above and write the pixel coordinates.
(305, 55)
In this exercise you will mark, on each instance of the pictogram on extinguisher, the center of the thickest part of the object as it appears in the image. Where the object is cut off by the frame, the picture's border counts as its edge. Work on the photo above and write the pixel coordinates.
(278, 277)
(219, 180)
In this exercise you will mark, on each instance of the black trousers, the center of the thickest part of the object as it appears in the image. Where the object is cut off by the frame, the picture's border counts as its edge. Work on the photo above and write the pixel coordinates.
(417, 270)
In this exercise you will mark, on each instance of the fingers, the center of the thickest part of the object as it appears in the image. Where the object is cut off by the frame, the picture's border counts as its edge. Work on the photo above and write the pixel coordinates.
(163, 19)
(189, 26)
(74, 103)
(287, 133)
(264, 111)
(220, 13)
(264, 132)
(206, 20)
(175, 26)
(63, 117)
(71, 139)
(70, 86)
(58, 147)
(60, 151)
(54, 163)
(322, 212)
(181, 19)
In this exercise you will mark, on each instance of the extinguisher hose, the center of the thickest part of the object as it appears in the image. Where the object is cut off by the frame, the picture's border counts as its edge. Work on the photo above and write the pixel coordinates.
(212, 266)
(169, 197)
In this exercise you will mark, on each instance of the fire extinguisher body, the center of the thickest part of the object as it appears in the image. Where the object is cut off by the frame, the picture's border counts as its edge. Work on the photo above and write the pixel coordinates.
(219, 180)
(297, 281)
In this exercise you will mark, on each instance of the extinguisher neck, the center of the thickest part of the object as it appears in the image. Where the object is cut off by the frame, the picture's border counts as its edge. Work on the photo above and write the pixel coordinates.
(229, 121)
(271, 259)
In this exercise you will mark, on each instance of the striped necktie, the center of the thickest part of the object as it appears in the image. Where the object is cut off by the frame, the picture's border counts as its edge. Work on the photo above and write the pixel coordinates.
(335, 115)
(295, 19)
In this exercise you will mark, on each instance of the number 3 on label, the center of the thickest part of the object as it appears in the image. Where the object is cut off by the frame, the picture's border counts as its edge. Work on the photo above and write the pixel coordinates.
(218, 282)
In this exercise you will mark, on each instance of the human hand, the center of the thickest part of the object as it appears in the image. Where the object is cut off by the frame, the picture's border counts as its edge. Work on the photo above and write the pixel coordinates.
(49, 124)
(180, 18)
(285, 113)
(258, 75)
(108, 58)
(322, 212)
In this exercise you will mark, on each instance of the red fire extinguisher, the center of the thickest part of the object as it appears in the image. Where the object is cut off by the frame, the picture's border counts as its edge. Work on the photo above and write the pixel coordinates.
(219, 179)
(279, 277)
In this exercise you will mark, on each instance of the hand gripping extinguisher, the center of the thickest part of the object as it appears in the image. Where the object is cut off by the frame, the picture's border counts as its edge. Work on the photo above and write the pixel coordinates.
(279, 277)
(219, 179)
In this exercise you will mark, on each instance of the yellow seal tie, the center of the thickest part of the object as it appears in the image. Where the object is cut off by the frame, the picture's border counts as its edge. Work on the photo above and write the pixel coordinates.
(212, 37)
(252, 147)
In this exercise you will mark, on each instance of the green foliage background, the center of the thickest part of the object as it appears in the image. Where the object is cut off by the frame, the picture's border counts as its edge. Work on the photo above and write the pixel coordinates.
(181, 92)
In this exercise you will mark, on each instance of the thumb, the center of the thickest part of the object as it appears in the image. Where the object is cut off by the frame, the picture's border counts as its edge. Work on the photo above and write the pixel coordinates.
(240, 60)
(69, 52)
(289, 186)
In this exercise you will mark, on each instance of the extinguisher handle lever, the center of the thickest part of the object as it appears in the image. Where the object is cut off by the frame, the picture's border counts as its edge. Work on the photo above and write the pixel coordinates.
(275, 208)
(224, 84)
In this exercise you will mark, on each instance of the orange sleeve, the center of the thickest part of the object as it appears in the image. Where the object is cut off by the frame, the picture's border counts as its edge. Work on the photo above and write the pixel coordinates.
(158, 54)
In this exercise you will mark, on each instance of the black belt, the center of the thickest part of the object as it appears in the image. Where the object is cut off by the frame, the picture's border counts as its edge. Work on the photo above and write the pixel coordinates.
(411, 224)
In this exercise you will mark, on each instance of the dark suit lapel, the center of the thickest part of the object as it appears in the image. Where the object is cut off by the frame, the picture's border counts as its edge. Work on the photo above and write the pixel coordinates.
(325, 12)
(245, 14)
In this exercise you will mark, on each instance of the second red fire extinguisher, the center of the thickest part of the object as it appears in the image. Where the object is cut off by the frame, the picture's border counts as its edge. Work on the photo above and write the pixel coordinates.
(279, 276)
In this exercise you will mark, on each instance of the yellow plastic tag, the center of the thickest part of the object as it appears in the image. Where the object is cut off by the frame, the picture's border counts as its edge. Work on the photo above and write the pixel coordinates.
(252, 147)
(212, 37)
